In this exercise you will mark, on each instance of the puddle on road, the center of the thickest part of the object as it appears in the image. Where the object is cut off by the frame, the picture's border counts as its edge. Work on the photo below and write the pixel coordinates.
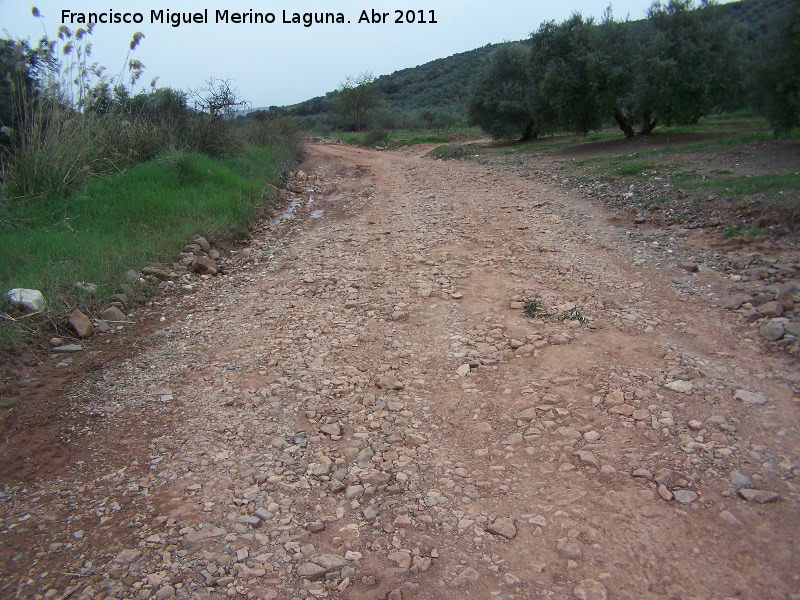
(300, 202)
(290, 210)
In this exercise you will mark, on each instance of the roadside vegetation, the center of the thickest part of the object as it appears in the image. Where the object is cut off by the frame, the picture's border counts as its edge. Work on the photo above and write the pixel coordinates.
(382, 138)
(99, 178)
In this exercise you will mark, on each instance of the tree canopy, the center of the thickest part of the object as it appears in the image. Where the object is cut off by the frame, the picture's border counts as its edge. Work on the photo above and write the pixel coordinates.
(680, 64)
(358, 97)
(498, 100)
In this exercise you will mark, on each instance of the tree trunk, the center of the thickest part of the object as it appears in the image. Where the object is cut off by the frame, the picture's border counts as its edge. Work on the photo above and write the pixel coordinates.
(647, 124)
(530, 133)
(624, 125)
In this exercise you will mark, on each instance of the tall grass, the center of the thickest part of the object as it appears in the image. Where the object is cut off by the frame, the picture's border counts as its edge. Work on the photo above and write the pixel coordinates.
(277, 133)
(54, 151)
(58, 137)
(121, 222)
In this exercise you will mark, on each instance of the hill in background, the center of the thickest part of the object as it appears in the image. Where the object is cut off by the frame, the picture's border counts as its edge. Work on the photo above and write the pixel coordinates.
(441, 87)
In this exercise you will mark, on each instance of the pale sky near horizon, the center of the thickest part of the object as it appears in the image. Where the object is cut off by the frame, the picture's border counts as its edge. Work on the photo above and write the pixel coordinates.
(283, 63)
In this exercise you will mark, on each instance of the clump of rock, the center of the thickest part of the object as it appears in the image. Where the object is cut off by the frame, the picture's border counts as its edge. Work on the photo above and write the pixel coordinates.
(30, 301)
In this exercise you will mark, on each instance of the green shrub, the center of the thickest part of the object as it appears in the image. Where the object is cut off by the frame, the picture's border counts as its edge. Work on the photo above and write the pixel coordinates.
(215, 137)
(377, 136)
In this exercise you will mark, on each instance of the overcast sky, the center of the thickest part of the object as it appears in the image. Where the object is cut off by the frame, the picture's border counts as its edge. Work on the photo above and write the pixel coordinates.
(280, 64)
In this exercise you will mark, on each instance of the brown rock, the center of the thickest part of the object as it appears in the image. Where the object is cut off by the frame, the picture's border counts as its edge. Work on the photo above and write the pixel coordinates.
(414, 439)
(529, 414)
(331, 429)
(504, 527)
(589, 589)
(401, 559)
(786, 299)
(316, 526)
(156, 272)
(760, 496)
(587, 457)
(249, 572)
(374, 476)
(772, 309)
(467, 577)
(81, 324)
(311, 571)
(330, 562)
(204, 265)
(733, 302)
(568, 548)
(625, 410)
(664, 492)
(127, 556)
(668, 477)
(203, 243)
(112, 313)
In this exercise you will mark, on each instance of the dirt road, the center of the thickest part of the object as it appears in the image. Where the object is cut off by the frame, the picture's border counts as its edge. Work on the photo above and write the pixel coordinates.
(362, 409)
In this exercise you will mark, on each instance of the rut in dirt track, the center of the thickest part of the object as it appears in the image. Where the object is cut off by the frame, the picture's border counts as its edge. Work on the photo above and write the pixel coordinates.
(362, 409)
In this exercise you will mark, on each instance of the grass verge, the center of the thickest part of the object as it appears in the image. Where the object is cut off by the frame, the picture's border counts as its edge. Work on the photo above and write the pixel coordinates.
(738, 186)
(397, 139)
(114, 223)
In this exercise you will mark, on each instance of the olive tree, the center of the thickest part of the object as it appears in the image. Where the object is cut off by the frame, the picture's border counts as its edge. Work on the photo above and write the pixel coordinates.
(778, 73)
(688, 66)
(499, 97)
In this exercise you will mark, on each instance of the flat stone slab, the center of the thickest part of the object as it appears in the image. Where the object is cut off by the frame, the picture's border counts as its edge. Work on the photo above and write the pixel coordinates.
(504, 527)
(127, 556)
(68, 348)
(204, 534)
(311, 571)
(681, 386)
(330, 562)
(759, 496)
(750, 397)
(685, 496)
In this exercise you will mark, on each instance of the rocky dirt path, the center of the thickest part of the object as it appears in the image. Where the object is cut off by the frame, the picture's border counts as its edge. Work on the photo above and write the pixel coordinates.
(362, 409)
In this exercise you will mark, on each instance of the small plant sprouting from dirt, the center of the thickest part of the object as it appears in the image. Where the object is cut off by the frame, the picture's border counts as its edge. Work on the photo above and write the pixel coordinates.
(533, 309)
(732, 231)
